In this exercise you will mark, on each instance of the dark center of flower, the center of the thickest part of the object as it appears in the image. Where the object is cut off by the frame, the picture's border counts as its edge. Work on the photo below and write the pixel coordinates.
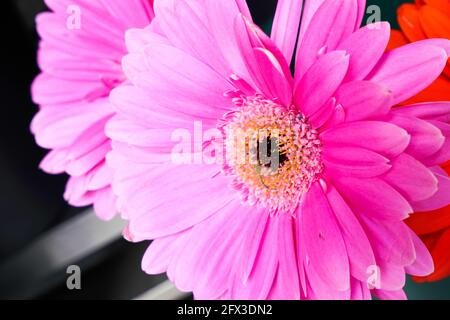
(272, 152)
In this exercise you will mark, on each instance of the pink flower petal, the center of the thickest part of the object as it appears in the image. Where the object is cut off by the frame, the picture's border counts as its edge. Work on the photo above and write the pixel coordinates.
(287, 283)
(310, 8)
(443, 155)
(76, 193)
(205, 266)
(426, 139)
(331, 23)
(382, 137)
(251, 244)
(128, 14)
(262, 277)
(365, 47)
(318, 289)
(359, 290)
(364, 100)
(441, 198)
(439, 111)
(361, 13)
(324, 244)
(373, 197)
(392, 276)
(136, 105)
(88, 161)
(273, 75)
(159, 254)
(48, 90)
(195, 37)
(262, 67)
(105, 204)
(101, 178)
(172, 70)
(391, 241)
(438, 115)
(221, 18)
(137, 39)
(55, 161)
(356, 162)
(337, 117)
(409, 176)
(358, 247)
(423, 265)
(409, 69)
(91, 138)
(162, 210)
(320, 82)
(285, 26)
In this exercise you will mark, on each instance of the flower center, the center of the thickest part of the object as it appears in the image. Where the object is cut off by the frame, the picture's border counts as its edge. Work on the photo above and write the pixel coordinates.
(272, 152)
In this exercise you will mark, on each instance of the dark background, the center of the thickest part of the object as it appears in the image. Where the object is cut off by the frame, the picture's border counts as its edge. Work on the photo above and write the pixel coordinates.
(31, 201)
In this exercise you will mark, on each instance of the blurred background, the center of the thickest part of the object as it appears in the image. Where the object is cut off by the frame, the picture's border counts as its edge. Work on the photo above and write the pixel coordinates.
(40, 235)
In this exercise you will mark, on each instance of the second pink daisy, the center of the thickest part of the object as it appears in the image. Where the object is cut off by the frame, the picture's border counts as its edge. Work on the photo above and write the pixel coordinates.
(80, 53)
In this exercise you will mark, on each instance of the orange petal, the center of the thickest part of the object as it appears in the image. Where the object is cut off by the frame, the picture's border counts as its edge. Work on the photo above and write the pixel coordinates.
(446, 167)
(443, 18)
(430, 240)
(441, 5)
(396, 40)
(409, 21)
(439, 90)
(429, 222)
(447, 69)
(419, 2)
(435, 23)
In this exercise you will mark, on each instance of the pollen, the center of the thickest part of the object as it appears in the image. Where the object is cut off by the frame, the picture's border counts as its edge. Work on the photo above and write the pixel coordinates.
(272, 153)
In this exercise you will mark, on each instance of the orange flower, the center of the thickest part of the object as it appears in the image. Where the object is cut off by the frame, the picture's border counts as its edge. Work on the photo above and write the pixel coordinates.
(422, 20)
(434, 229)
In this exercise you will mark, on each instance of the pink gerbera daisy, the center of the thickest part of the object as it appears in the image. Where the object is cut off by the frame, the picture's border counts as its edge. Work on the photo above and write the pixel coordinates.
(326, 221)
(82, 44)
